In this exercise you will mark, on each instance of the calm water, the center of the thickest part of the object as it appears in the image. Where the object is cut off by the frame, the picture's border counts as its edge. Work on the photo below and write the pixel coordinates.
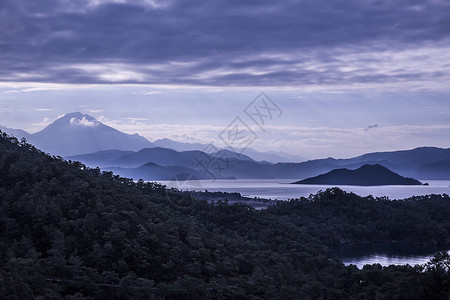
(282, 190)
(386, 253)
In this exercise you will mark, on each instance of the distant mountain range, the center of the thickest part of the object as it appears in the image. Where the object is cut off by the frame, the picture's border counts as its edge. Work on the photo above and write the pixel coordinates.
(269, 156)
(367, 175)
(411, 163)
(78, 133)
(81, 137)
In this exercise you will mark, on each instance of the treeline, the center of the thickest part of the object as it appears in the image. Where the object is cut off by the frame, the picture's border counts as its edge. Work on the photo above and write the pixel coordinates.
(338, 218)
(70, 232)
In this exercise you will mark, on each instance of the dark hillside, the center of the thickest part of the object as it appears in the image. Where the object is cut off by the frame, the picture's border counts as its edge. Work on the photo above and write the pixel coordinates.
(70, 232)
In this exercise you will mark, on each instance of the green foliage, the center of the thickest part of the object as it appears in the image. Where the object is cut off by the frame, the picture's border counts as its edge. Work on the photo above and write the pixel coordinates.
(71, 232)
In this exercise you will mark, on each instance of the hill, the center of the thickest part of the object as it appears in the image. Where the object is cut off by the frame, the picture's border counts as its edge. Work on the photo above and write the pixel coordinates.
(367, 175)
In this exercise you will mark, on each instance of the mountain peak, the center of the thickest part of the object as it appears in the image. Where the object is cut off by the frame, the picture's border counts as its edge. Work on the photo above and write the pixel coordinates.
(77, 118)
(78, 133)
(76, 114)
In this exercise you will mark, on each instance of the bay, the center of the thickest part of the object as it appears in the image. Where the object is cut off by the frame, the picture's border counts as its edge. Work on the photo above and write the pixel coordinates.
(281, 189)
(386, 253)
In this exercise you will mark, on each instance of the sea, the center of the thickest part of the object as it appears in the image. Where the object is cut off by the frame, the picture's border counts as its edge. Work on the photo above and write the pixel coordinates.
(282, 189)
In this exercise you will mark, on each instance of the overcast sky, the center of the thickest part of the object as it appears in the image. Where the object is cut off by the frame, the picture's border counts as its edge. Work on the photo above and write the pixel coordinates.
(348, 76)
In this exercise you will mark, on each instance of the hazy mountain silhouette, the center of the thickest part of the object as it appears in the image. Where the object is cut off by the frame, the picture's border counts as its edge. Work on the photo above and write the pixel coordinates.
(159, 156)
(78, 136)
(18, 133)
(269, 156)
(77, 133)
(273, 156)
(151, 171)
(223, 164)
(179, 146)
(436, 170)
(406, 162)
(99, 158)
(241, 166)
(367, 175)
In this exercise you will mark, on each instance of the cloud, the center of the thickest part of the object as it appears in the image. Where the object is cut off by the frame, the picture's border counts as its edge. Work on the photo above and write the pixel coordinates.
(83, 122)
(103, 119)
(148, 93)
(95, 110)
(313, 142)
(369, 127)
(44, 109)
(226, 43)
(45, 121)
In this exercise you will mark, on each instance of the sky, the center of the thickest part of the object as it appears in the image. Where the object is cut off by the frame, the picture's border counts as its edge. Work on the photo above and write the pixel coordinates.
(346, 77)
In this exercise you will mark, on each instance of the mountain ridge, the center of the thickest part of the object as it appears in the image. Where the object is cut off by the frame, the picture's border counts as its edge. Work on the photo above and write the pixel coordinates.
(104, 146)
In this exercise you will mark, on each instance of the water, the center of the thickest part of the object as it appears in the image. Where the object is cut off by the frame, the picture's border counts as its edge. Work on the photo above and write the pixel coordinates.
(282, 189)
(385, 254)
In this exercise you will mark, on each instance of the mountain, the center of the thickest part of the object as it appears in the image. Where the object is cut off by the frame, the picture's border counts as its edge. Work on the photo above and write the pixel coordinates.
(227, 154)
(234, 165)
(151, 171)
(78, 133)
(131, 159)
(273, 156)
(159, 156)
(179, 146)
(81, 137)
(407, 162)
(18, 133)
(436, 170)
(410, 163)
(269, 156)
(161, 164)
(367, 175)
(99, 158)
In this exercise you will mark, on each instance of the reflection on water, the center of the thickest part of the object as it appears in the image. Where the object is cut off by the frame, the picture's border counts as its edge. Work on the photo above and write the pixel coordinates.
(386, 253)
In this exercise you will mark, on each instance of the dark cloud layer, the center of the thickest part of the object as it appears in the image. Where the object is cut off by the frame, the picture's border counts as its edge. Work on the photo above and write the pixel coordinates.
(218, 42)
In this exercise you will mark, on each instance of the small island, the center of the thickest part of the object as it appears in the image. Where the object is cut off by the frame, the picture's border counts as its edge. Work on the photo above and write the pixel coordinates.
(367, 175)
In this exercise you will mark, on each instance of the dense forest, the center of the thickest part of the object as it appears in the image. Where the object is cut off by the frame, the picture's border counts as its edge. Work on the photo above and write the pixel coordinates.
(338, 218)
(72, 232)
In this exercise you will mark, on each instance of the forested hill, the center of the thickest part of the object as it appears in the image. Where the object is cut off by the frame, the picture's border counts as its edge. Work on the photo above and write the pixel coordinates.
(70, 232)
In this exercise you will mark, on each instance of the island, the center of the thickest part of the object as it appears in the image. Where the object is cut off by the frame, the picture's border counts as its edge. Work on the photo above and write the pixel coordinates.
(366, 175)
